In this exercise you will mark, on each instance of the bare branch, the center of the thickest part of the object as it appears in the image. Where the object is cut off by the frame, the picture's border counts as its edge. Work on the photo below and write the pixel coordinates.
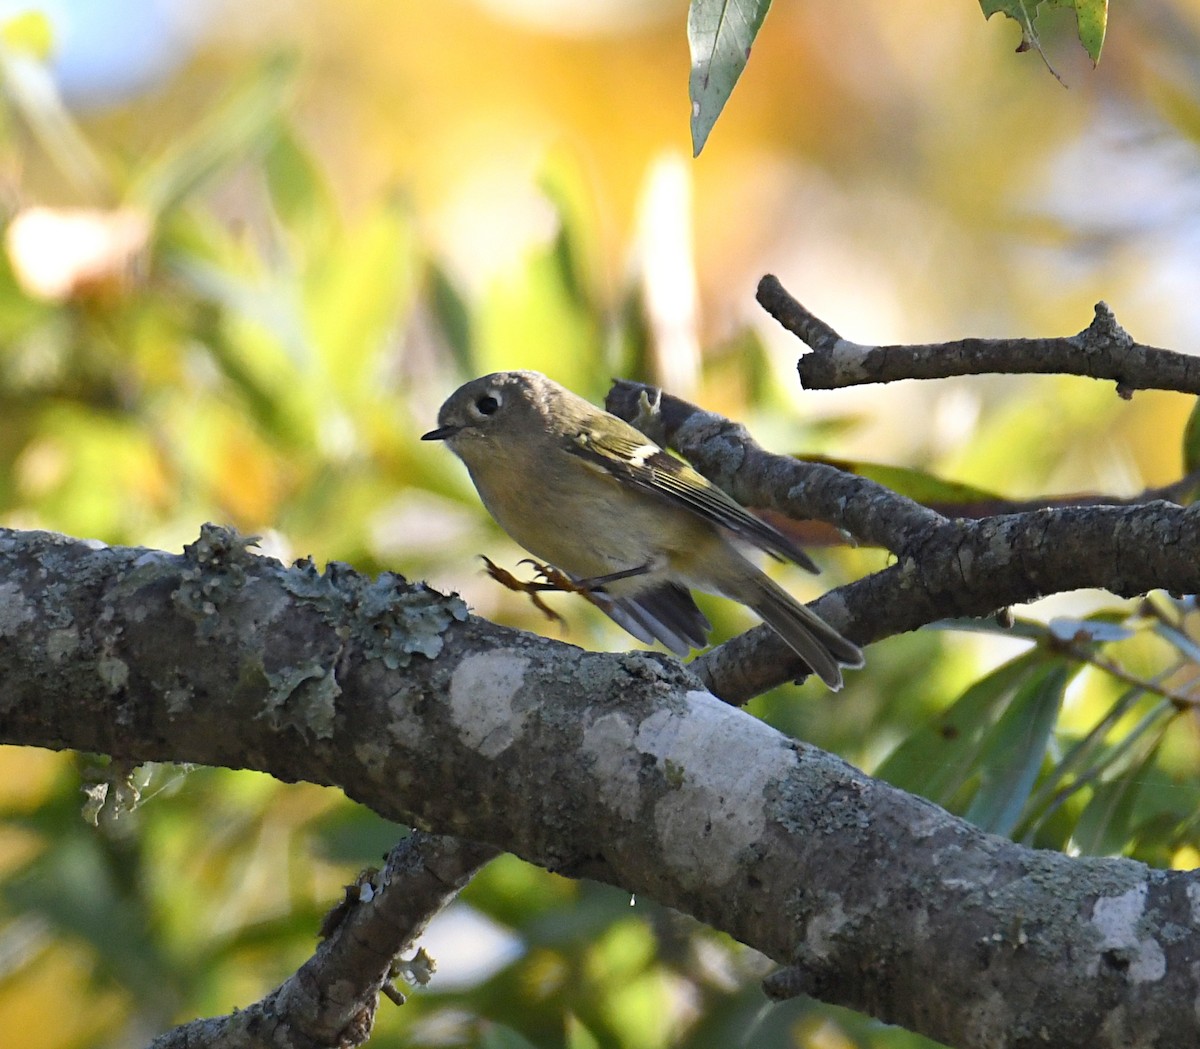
(331, 1000)
(1103, 350)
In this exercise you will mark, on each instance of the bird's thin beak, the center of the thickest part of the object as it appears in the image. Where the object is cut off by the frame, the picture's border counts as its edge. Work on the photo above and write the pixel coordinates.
(441, 433)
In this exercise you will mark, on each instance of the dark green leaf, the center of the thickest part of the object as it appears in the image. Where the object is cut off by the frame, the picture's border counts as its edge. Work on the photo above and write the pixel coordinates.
(1191, 440)
(1105, 826)
(919, 485)
(1014, 750)
(937, 759)
(1084, 762)
(453, 317)
(498, 1036)
(1091, 18)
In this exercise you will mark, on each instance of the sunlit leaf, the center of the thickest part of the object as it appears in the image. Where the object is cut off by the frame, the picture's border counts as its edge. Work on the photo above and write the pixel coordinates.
(302, 197)
(357, 293)
(1188, 647)
(1092, 18)
(566, 185)
(578, 1036)
(533, 314)
(720, 35)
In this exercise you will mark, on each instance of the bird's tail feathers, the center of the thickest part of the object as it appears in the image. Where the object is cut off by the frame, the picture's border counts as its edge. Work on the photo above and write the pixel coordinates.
(814, 640)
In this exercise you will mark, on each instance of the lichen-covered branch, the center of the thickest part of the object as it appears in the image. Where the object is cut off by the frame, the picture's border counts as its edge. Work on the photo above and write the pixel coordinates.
(1103, 350)
(618, 767)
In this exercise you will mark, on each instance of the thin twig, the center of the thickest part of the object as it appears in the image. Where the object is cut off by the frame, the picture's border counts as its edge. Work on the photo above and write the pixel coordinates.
(1103, 350)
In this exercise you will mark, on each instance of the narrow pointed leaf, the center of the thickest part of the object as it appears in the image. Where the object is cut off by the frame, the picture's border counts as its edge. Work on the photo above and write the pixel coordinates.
(939, 757)
(1106, 825)
(1015, 750)
(720, 34)
(1191, 432)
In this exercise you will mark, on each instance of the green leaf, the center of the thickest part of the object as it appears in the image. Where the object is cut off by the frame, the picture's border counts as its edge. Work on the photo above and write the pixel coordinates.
(1082, 763)
(299, 191)
(566, 184)
(918, 485)
(578, 1036)
(1012, 756)
(1191, 440)
(1091, 19)
(453, 317)
(498, 1036)
(1105, 826)
(720, 34)
(937, 759)
(1186, 645)
(356, 294)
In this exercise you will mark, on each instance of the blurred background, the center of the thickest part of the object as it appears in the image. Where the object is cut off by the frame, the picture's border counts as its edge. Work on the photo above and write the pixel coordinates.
(249, 249)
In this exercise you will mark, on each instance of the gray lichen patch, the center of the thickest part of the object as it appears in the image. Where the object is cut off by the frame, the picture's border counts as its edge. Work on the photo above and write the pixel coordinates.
(114, 673)
(61, 643)
(391, 619)
(15, 609)
(303, 696)
(401, 620)
(1126, 938)
(608, 745)
(718, 774)
(216, 572)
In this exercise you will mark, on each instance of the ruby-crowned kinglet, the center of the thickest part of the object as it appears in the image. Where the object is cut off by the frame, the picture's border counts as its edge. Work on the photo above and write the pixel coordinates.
(594, 497)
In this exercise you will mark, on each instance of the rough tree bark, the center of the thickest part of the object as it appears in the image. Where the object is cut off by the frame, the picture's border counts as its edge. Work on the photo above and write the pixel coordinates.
(626, 768)
(618, 767)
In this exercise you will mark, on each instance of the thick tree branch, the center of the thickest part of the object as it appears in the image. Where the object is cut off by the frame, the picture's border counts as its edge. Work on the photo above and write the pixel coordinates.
(615, 767)
(1103, 350)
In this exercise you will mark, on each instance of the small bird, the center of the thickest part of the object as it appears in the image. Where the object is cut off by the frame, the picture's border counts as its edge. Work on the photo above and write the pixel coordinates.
(631, 525)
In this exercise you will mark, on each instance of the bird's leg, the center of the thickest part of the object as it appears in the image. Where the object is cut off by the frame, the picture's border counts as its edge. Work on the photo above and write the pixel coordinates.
(558, 580)
(507, 579)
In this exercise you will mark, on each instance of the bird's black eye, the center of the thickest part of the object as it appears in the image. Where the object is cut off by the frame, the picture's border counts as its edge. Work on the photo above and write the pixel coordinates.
(487, 405)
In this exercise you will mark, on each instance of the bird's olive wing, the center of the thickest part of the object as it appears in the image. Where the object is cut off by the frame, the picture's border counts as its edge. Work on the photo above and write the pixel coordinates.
(635, 460)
